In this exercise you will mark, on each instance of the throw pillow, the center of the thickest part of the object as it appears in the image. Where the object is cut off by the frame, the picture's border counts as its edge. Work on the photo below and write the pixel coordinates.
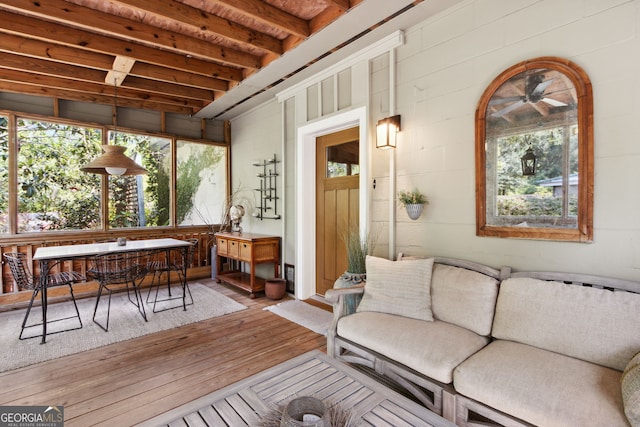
(631, 391)
(400, 288)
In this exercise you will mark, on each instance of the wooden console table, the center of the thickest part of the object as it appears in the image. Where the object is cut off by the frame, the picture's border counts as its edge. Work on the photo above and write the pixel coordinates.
(249, 248)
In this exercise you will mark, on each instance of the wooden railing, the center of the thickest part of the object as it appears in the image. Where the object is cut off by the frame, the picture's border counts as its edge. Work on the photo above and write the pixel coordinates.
(29, 243)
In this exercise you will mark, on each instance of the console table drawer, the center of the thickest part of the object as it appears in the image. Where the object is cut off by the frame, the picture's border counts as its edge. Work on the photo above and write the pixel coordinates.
(222, 246)
(233, 249)
(245, 251)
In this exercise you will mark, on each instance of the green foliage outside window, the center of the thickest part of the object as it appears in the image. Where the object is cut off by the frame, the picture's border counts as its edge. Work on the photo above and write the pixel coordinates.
(524, 195)
(142, 200)
(196, 167)
(52, 192)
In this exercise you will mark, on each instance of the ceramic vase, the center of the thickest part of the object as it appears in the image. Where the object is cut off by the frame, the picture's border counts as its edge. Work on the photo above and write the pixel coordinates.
(305, 411)
(414, 210)
(349, 280)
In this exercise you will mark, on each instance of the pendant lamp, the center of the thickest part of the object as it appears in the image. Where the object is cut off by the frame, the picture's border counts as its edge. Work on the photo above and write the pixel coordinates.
(113, 161)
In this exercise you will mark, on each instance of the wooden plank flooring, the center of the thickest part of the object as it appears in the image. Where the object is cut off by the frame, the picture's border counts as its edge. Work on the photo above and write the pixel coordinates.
(126, 383)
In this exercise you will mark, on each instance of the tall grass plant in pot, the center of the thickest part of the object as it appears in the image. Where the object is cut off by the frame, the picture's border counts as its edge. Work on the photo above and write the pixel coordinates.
(358, 248)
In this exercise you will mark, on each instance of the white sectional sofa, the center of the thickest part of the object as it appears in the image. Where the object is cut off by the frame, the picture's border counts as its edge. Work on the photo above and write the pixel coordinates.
(492, 347)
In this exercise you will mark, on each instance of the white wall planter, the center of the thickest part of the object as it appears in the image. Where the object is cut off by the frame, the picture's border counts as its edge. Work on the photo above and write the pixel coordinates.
(414, 210)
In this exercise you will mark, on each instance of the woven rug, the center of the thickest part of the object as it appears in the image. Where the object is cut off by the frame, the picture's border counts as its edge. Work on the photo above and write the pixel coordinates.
(314, 318)
(125, 323)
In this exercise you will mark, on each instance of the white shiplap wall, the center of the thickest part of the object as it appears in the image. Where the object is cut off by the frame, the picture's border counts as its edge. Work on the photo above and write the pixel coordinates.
(442, 69)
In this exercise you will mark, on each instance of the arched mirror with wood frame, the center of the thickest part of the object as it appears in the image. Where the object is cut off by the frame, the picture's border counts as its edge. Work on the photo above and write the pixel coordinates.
(534, 153)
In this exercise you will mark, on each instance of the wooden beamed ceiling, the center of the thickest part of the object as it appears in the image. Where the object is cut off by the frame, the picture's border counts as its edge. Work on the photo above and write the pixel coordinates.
(180, 55)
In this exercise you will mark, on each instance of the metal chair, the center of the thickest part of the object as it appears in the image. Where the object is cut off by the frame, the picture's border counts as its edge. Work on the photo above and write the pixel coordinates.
(112, 271)
(24, 279)
(166, 263)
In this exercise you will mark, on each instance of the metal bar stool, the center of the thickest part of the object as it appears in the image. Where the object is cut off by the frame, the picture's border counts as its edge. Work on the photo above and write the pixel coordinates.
(174, 260)
(24, 279)
(112, 271)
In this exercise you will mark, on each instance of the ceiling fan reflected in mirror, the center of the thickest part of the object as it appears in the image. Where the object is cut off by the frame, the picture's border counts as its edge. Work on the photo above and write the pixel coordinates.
(535, 87)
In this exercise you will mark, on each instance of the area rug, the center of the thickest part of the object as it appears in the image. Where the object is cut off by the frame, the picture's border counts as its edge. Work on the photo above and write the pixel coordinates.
(314, 318)
(125, 323)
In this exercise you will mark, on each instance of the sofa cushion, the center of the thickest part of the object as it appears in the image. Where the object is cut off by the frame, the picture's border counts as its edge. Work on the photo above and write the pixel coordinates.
(432, 348)
(631, 390)
(402, 288)
(541, 387)
(591, 324)
(463, 297)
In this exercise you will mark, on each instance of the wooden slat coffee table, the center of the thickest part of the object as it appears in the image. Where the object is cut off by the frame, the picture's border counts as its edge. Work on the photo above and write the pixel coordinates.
(311, 374)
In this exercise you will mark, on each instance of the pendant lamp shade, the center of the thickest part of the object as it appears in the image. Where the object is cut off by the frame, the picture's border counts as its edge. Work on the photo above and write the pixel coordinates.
(114, 162)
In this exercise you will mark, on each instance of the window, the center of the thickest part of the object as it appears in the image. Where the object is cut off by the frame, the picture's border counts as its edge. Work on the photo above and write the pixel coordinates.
(201, 183)
(53, 194)
(141, 200)
(534, 153)
(43, 188)
(343, 159)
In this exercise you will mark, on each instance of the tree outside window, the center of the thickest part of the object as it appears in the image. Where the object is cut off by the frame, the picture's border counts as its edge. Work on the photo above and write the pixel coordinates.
(548, 198)
(141, 200)
(53, 194)
(201, 184)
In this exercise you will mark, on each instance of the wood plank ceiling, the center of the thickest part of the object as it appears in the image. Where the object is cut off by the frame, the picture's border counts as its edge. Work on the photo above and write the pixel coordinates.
(166, 55)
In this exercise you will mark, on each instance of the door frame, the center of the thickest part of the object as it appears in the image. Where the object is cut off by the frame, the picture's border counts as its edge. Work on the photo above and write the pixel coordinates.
(306, 190)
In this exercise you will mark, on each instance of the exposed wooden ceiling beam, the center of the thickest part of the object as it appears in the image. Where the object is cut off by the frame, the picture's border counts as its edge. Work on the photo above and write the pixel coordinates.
(270, 15)
(71, 55)
(208, 23)
(124, 94)
(115, 26)
(34, 28)
(184, 53)
(75, 75)
(17, 87)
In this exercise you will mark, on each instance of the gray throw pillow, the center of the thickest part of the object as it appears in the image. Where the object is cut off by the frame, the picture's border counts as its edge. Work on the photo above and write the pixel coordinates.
(401, 288)
(631, 391)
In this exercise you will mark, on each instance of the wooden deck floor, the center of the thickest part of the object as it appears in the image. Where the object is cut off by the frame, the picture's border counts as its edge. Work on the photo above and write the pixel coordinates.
(126, 383)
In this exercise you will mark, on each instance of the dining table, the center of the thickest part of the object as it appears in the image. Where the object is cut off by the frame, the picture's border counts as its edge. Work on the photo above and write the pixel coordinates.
(49, 256)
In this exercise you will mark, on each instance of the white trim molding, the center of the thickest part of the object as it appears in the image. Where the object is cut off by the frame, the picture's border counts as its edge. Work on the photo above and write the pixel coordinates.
(376, 49)
(306, 190)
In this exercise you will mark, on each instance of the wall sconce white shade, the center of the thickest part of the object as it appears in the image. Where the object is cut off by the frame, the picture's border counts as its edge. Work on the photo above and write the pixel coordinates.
(387, 130)
(114, 162)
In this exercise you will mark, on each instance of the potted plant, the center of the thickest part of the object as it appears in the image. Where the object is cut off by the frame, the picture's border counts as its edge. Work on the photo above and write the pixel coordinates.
(413, 201)
(358, 248)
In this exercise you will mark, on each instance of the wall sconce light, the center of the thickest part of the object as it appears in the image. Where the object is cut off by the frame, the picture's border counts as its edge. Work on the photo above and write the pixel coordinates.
(387, 130)
(528, 162)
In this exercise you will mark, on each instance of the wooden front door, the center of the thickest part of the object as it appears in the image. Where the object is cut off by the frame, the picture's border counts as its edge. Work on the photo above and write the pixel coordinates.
(337, 202)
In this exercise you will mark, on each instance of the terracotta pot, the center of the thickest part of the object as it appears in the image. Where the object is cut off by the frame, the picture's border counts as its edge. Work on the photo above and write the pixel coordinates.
(275, 288)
